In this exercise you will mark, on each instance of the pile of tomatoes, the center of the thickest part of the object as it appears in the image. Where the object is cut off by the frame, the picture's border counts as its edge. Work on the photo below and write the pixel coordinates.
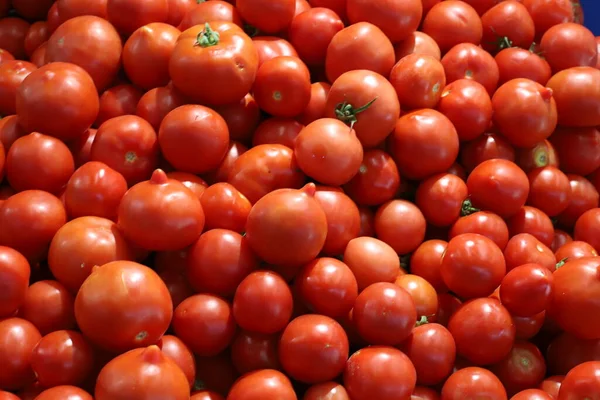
(292, 199)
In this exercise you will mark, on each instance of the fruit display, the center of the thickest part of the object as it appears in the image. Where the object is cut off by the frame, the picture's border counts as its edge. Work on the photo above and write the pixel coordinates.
(299, 200)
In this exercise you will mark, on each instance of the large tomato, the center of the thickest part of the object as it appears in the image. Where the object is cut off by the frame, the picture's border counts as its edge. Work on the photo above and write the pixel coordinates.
(418, 43)
(569, 45)
(577, 94)
(269, 47)
(18, 337)
(176, 350)
(371, 261)
(527, 290)
(14, 280)
(108, 315)
(343, 219)
(12, 73)
(507, 24)
(440, 198)
(549, 190)
(225, 207)
(523, 368)
(514, 62)
(204, 68)
(546, 14)
(581, 382)
(400, 224)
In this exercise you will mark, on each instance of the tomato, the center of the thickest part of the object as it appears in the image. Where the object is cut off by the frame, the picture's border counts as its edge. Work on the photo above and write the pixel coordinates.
(62, 358)
(584, 196)
(311, 32)
(577, 149)
(242, 117)
(282, 86)
(206, 395)
(343, 219)
(422, 293)
(14, 280)
(44, 103)
(483, 331)
(359, 46)
(468, 61)
(106, 314)
(452, 23)
(440, 198)
(90, 42)
(367, 102)
(507, 24)
(485, 147)
(251, 351)
(371, 260)
(13, 32)
(473, 382)
(325, 390)
(150, 201)
(8, 396)
(424, 393)
(573, 306)
(12, 73)
(267, 16)
(514, 62)
(379, 372)
(560, 238)
(417, 43)
(524, 248)
(418, 80)
(191, 181)
(62, 392)
(262, 384)
(551, 385)
(569, 45)
(270, 47)
(426, 262)
(117, 101)
(277, 130)
(575, 249)
(214, 66)
(533, 221)
(263, 169)
(225, 207)
(541, 155)
(28, 222)
(319, 91)
(531, 394)
(208, 11)
(158, 102)
(424, 135)
(81, 147)
(577, 94)
(54, 19)
(127, 16)
(18, 337)
(549, 190)
(68, 9)
(528, 327)
(140, 373)
(313, 348)
(581, 382)
(566, 351)
(400, 224)
(546, 14)
(397, 19)
(523, 368)
(27, 164)
(377, 180)
(177, 351)
(527, 290)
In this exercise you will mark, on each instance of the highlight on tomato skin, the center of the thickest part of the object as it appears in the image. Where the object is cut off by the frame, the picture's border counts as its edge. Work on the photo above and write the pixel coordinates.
(299, 200)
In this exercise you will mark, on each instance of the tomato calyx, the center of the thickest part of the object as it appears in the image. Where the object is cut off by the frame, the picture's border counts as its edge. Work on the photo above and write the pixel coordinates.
(346, 112)
(562, 262)
(208, 37)
(422, 321)
(502, 42)
(467, 208)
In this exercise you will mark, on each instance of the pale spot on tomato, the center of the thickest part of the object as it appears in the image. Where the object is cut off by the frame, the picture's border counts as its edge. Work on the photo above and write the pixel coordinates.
(277, 96)
(141, 336)
(130, 157)
(468, 73)
(436, 87)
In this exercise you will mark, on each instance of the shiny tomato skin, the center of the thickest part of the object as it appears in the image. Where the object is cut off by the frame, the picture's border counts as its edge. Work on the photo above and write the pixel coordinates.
(371, 261)
(440, 198)
(158, 102)
(426, 262)
(140, 373)
(343, 219)
(514, 62)
(524, 248)
(533, 221)
(527, 290)
(242, 118)
(231, 78)
(585, 228)
(318, 23)
(203, 12)
(584, 196)
(261, 384)
(10, 131)
(397, 19)
(14, 30)
(313, 348)
(451, 23)
(277, 130)
(64, 391)
(523, 368)
(581, 382)
(379, 372)
(317, 104)
(422, 293)
(225, 207)
(41, 93)
(418, 80)
(417, 43)
(473, 382)
(334, 390)
(172, 347)
(577, 94)
(18, 337)
(549, 190)
(569, 45)
(546, 14)
(551, 385)
(575, 249)
(267, 16)
(270, 47)
(508, 19)
(117, 101)
(403, 237)
(14, 277)
(251, 351)
(485, 147)
(111, 321)
(468, 61)
(12, 73)
(49, 306)
(377, 180)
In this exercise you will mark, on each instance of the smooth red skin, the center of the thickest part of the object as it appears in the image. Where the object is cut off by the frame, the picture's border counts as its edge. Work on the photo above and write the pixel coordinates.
(321, 25)
(452, 23)
(584, 196)
(528, 327)
(541, 155)
(370, 49)
(117, 101)
(269, 47)
(68, 9)
(177, 351)
(27, 166)
(317, 105)
(178, 286)
(527, 290)
(422, 293)
(343, 219)
(418, 80)
(523, 368)
(54, 19)
(403, 238)
(12, 73)
(358, 256)
(62, 358)
(440, 198)
(475, 382)
(424, 135)
(267, 16)
(379, 372)
(39, 96)
(191, 181)
(432, 351)
(218, 261)
(206, 394)
(417, 43)
(200, 13)
(14, 30)
(551, 385)
(576, 92)
(485, 147)
(261, 384)
(325, 390)
(28, 222)
(18, 337)
(221, 174)
(573, 306)
(490, 344)
(545, 15)
(397, 19)
(426, 262)
(5, 55)
(549, 190)
(533, 221)
(107, 320)
(574, 250)
(560, 238)
(8, 396)
(225, 207)
(263, 303)
(515, 62)
(127, 16)
(484, 223)
(472, 258)
(532, 394)
(468, 61)
(581, 382)
(507, 19)
(577, 149)
(569, 45)
(251, 351)
(313, 348)
(14, 280)
(81, 147)
(377, 180)
(158, 102)
(566, 351)
(277, 130)
(64, 392)
(524, 248)
(424, 393)
(193, 138)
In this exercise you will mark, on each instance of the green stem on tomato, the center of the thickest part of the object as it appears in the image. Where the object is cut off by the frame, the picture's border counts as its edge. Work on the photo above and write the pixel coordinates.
(208, 37)
(346, 112)
(422, 321)
(562, 262)
(467, 208)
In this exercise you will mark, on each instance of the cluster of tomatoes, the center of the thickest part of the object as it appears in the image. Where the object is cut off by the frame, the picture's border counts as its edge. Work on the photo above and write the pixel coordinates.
(279, 200)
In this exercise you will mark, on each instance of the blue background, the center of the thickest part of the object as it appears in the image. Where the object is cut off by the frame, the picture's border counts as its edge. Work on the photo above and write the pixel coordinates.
(591, 10)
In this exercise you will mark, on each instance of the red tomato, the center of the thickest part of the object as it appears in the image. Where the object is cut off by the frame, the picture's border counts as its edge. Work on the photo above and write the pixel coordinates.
(325, 390)
(158, 102)
(177, 351)
(507, 24)
(566, 351)
(551, 385)
(569, 45)
(584, 196)
(531, 394)
(313, 348)
(14, 278)
(397, 19)
(359, 46)
(541, 155)
(81, 147)
(546, 14)
(577, 94)
(251, 351)
(319, 91)
(485, 147)
(524, 248)
(311, 32)
(277, 130)
(577, 149)
(8, 396)
(267, 16)
(452, 22)
(140, 373)
(208, 11)
(117, 101)
(533, 221)
(514, 62)
(343, 219)
(359, 256)
(262, 384)
(401, 225)
(202, 52)
(484, 223)
(419, 80)
(13, 32)
(575, 249)
(5, 56)
(468, 61)
(68, 9)
(426, 262)
(242, 117)
(18, 337)
(63, 392)
(417, 43)
(12, 73)
(549, 190)
(440, 198)
(127, 15)
(225, 207)
(270, 47)
(473, 382)
(581, 382)
(379, 372)
(45, 103)
(424, 393)
(527, 290)
(528, 327)
(106, 314)
(377, 180)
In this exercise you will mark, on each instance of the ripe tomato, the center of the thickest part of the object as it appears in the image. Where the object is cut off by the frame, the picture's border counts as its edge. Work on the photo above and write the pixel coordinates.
(225, 207)
(527, 290)
(422, 293)
(18, 337)
(485, 147)
(523, 368)
(127, 16)
(585, 227)
(140, 373)
(584, 196)
(269, 47)
(524, 248)
(577, 149)
(44, 103)
(417, 43)
(577, 94)
(379, 372)
(117, 101)
(277, 130)
(582, 381)
(371, 261)
(49, 306)
(418, 80)
(452, 22)
(158, 102)
(575, 249)
(533, 221)
(547, 14)
(569, 45)
(12, 73)
(267, 16)
(319, 91)
(377, 180)
(177, 351)
(251, 351)
(215, 67)
(199, 13)
(13, 32)
(541, 155)
(106, 314)
(401, 225)
(549, 190)
(311, 32)
(551, 385)
(426, 262)
(62, 392)
(242, 117)
(397, 19)
(468, 61)
(440, 198)
(261, 384)
(507, 24)
(334, 390)
(313, 348)
(14, 280)
(359, 46)
(514, 62)
(68, 9)
(473, 382)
